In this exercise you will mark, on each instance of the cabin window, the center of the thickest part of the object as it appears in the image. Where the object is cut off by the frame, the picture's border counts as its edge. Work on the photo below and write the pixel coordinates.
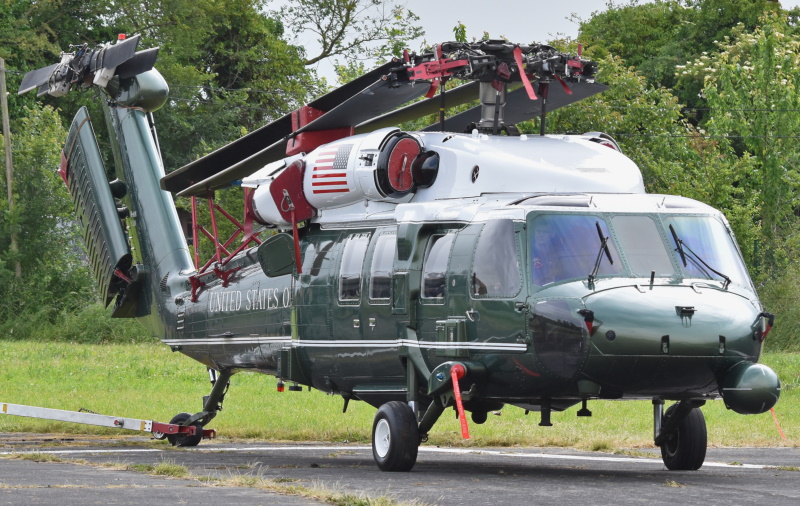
(495, 269)
(355, 249)
(434, 268)
(380, 274)
(641, 242)
(566, 246)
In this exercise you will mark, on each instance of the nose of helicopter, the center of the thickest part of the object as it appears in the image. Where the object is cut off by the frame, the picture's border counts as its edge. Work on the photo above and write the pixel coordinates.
(678, 341)
(677, 321)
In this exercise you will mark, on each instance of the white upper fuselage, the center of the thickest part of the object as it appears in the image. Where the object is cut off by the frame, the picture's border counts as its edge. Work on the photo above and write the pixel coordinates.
(472, 168)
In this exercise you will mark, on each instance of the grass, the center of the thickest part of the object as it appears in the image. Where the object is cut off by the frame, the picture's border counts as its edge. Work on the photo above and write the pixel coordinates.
(148, 381)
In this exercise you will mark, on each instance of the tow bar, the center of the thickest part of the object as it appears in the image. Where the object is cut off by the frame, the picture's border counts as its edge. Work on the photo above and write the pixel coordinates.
(158, 429)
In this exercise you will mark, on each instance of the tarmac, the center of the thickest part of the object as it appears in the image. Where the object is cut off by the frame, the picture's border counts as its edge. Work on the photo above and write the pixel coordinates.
(442, 476)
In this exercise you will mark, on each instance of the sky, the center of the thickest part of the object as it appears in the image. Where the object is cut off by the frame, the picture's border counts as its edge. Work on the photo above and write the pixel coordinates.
(521, 21)
(517, 20)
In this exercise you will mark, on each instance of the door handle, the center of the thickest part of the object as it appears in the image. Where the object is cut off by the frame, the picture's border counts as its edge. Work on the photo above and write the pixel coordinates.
(473, 315)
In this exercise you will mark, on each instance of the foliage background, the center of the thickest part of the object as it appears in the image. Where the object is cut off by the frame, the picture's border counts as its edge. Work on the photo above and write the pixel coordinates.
(703, 96)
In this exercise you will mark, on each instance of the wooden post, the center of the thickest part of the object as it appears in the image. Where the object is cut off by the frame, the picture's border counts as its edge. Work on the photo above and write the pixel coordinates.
(9, 166)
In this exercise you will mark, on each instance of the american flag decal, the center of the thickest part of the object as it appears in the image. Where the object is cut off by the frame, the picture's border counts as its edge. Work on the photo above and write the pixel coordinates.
(330, 170)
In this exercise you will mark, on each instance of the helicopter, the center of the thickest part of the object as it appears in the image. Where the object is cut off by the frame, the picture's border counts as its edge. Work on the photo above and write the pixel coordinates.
(466, 266)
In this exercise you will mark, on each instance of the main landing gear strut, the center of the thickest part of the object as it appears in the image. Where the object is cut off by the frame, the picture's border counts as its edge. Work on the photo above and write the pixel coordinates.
(681, 434)
(212, 404)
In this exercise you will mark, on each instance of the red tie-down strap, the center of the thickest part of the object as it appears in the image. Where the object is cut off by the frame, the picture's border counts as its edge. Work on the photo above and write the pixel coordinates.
(522, 75)
(456, 373)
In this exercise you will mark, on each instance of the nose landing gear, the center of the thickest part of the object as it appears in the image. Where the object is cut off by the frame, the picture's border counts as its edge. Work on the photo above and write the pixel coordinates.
(681, 434)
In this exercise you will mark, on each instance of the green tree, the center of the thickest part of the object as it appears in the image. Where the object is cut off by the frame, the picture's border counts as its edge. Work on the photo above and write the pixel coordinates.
(53, 273)
(751, 87)
(655, 36)
(360, 29)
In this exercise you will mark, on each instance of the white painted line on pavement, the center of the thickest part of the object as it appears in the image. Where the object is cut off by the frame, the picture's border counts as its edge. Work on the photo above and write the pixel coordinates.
(422, 449)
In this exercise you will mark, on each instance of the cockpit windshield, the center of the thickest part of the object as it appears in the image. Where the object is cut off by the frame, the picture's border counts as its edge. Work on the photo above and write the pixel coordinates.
(708, 250)
(567, 246)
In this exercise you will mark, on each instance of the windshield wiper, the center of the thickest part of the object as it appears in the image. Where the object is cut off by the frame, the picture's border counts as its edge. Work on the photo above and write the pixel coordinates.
(681, 246)
(603, 249)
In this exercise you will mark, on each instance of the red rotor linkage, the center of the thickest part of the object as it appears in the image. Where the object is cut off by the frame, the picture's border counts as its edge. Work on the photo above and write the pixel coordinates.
(456, 373)
(436, 71)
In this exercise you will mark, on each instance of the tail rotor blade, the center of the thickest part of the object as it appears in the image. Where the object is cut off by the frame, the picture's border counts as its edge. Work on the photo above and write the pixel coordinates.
(140, 62)
(43, 89)
(115, 55)
(36, 78)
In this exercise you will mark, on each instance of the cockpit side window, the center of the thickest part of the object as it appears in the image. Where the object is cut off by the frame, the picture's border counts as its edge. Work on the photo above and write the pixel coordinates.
(380, 275)
(566, 246)
(434, 267)
(355, 249)
(496, 267)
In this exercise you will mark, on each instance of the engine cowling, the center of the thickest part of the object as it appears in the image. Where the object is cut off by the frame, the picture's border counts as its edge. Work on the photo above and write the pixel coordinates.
(386, 165)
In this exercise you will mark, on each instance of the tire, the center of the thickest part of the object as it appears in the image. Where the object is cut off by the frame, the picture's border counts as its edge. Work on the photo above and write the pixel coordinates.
(685, 448)
(395, 437)
(181, 440)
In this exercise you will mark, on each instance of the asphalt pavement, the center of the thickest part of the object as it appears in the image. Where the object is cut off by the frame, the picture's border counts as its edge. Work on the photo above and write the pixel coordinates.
(442, 476)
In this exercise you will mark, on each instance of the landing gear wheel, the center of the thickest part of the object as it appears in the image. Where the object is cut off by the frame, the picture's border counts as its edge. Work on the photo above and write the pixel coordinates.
(395, 437)
(183, 440)
(685, 448)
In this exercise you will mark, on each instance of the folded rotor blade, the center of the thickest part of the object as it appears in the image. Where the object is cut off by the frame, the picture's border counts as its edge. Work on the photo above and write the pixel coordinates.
(457, 96)
(366, 104)
(219, 161)
(371, 102)
(250, 150)
(521, 108)
(237, 171)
